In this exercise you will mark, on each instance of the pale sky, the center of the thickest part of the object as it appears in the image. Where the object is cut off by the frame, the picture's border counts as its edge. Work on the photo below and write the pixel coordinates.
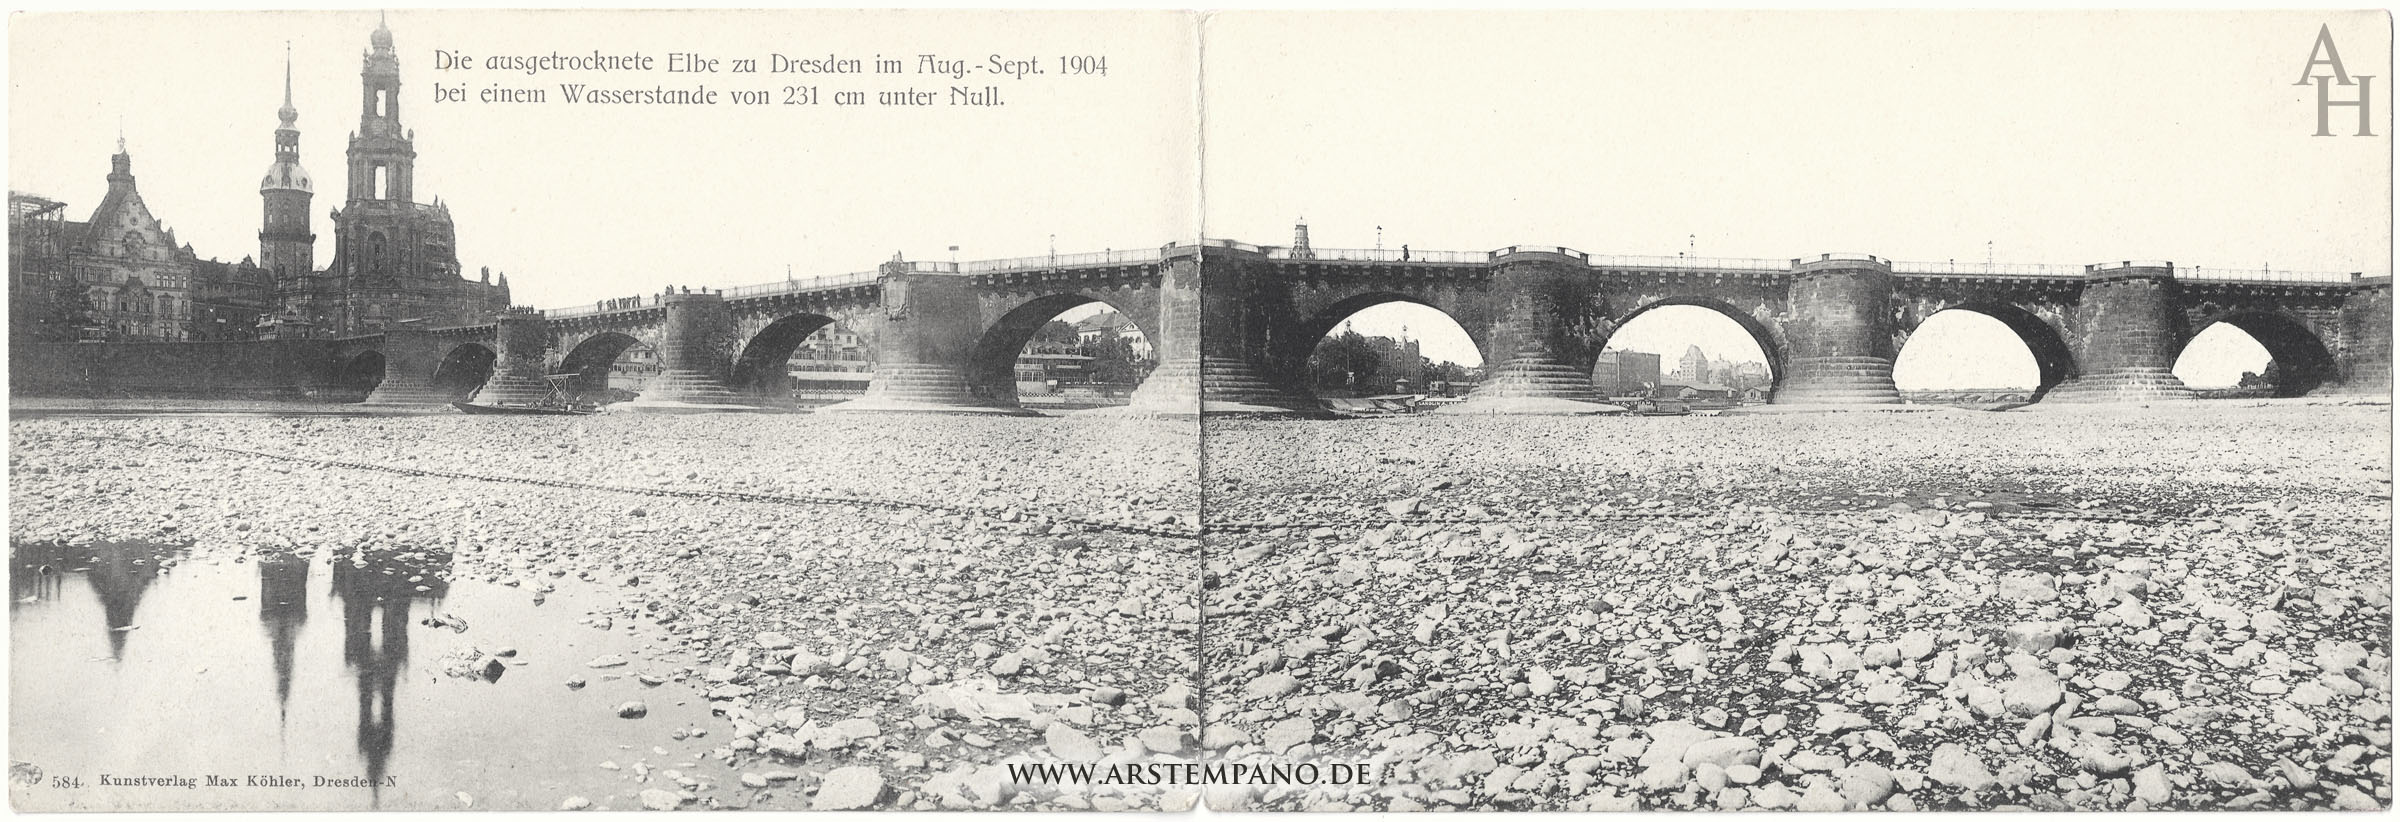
(580, 203)
(2059, 137)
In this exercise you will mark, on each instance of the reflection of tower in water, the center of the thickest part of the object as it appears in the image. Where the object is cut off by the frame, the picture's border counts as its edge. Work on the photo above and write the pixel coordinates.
(282, 609)
(119, 576)
(375, 590)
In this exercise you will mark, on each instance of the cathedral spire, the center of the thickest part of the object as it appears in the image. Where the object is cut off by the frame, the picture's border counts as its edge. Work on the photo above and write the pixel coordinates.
(286, 243)
(287, 114)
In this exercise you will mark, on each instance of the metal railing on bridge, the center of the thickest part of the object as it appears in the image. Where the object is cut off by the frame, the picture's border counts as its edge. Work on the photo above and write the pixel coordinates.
(1954, 267)
(786, 286)
(855, 278)
(2181, 272)
(1050, 261)
(1380, 255)
(2267, 275)
(1638, 261)
(578, 311)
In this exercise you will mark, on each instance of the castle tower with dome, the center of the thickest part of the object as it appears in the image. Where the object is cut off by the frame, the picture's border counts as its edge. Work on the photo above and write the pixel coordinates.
(286, 245)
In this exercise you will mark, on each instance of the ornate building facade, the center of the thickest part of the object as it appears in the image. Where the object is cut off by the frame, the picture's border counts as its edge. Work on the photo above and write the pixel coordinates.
(138, 277)
(122, 276)
(395, 260)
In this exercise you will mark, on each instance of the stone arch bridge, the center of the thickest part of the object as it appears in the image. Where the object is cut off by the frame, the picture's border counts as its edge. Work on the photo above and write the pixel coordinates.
(943, 336)
(1234, 324)
(1831, 325)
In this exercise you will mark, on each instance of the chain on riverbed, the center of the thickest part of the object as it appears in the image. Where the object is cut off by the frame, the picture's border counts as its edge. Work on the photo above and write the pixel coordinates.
(733, 496)
(1371, 521)
(1213, 526)
(1461, 518)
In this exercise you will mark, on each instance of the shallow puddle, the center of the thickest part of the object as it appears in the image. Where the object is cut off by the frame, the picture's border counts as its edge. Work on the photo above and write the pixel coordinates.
(279, 683)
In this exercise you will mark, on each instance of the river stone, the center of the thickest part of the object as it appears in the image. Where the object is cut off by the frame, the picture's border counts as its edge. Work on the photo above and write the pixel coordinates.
(1165, 739)
(1271, 685)
(1070, 744)
(849, 789)
(1218, 736)
(857, 728)
(2028, 586)
(633, 710)
(2038, 637)
(2029, 695)
(2150, 784)
(2114, 704)
(2227, 774)
(659, 800)
(1953, 765)
(1866, 783)
(1916, 645)
(1822, 798)
(1283, 735)
(1723, 752)
(1668, 743)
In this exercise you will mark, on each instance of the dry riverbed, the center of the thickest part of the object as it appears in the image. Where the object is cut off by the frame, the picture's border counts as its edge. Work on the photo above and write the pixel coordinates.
(850, 656)
(2087, 609)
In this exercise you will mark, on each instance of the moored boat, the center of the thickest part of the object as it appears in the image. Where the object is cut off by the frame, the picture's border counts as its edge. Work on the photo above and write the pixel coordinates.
(561, 402)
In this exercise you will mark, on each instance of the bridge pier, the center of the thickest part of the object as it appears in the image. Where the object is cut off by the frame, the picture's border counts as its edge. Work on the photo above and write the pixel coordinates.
(1839, 337)
(1545, 328)
(521, 338)
(410, 357)
(2126, 337)
(693, 358)
(1236, 299)
(2364, 361)
(1174, 387)
(922, 349)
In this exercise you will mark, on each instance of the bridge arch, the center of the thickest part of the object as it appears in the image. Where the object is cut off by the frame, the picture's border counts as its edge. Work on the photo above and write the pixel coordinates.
(464, 369)
(361, 373)
(592, 360)
(1291, 357)
(992, 367)
(2301, 359)
(1761, 334)
(760, 367)
(2053, 360)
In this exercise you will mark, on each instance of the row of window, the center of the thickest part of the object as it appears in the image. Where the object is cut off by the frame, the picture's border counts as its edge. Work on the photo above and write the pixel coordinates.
(163, 305)
(159, 279)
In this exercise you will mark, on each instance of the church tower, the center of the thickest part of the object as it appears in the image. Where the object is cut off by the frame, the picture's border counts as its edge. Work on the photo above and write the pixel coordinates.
(395, 260)
(382, 157)
(286, 245)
